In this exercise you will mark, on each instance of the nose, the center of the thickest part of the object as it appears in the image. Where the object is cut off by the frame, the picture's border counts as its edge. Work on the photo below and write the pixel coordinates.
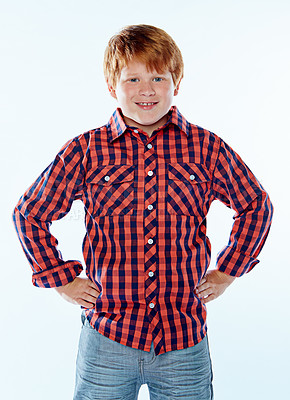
(146, 89)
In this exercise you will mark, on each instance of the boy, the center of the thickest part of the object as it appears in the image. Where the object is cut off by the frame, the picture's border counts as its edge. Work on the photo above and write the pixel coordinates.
(147, 180)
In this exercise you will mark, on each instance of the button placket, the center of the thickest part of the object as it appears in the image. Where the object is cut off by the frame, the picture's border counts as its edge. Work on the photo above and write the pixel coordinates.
(150, 230)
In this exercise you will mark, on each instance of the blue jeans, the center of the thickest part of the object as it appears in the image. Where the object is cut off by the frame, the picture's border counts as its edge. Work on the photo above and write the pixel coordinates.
(108, 370)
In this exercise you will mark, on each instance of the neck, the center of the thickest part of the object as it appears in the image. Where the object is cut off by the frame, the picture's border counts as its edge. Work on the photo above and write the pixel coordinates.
(149, 129)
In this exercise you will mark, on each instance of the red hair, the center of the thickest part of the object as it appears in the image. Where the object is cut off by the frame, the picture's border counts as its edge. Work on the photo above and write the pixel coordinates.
(146, 43)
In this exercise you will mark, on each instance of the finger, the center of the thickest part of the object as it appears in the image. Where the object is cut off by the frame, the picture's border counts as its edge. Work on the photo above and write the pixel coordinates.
(203, 287)
(92, 292)
(89, 298)
(92, 285)
(205, 293)
(86, 304)
(208, 298)
(203, 280)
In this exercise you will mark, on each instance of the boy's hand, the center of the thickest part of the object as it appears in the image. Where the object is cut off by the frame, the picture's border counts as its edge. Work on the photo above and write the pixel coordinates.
(213, 285)
(80, 291)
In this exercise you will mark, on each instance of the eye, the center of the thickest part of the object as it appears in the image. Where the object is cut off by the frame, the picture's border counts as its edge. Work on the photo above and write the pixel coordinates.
(158, 79)
(133, 80)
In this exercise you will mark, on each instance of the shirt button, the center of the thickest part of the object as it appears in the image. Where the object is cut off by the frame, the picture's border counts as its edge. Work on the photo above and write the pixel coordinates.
(149, 146)
(150, 207)
(192, 177)
(136, 130)
(150, 241)
(107, 178)
(151, 274)
(150, 173)
(151, 305)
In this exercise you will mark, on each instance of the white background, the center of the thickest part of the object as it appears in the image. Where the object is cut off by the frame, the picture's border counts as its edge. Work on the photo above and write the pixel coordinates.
(236, 84)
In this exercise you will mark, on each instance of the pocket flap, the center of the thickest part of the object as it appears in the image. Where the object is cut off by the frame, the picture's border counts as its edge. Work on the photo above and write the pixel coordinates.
(111, 174)
(190, 172)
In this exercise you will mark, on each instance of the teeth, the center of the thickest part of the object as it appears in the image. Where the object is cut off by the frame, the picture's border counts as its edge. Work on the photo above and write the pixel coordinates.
(146, 104)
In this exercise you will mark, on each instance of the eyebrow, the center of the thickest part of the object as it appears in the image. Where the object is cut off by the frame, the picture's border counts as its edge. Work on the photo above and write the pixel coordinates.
(137, 74)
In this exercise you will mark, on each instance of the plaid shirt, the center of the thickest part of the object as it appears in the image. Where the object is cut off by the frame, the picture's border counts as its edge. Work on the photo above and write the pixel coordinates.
(146, 201)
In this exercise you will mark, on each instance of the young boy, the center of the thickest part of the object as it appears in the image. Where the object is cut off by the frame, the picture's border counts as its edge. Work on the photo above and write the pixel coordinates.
(146, 180)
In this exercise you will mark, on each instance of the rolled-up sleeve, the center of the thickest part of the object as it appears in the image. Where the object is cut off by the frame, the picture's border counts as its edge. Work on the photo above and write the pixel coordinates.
(236, 186)
(48, 199)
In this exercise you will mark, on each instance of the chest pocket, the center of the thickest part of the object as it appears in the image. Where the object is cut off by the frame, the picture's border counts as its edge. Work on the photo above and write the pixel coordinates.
(188, 189)
(111, 190)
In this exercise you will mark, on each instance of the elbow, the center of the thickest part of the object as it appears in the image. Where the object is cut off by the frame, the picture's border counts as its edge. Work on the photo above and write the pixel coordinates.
(15, 218)
(14, 214)
(268, 207)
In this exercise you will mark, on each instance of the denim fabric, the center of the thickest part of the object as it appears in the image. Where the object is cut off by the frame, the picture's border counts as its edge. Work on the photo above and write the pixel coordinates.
(109, 370)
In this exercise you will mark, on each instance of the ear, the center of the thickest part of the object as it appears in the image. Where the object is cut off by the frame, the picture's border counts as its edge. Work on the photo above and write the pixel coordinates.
(176, 89)
(112, 90)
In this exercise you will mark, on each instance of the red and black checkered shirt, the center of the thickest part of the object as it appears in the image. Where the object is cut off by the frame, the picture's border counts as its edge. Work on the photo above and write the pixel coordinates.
(145, 201)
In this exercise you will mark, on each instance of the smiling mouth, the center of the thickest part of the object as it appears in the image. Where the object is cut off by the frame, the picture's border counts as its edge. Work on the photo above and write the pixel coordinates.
(146, 104)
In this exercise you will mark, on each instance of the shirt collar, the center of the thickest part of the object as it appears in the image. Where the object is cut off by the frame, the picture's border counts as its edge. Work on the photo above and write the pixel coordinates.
(117, 125)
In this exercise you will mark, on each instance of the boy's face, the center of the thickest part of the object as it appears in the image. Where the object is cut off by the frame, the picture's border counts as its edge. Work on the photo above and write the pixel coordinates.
(145, 97)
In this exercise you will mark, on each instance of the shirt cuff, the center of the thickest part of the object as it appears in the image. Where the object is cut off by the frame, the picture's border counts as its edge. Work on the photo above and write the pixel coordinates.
(57, 276)
(233, 263)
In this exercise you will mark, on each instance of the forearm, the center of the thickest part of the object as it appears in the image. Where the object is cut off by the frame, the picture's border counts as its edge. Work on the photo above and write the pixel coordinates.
(40, 248)
(48, 199)
(247, 238)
